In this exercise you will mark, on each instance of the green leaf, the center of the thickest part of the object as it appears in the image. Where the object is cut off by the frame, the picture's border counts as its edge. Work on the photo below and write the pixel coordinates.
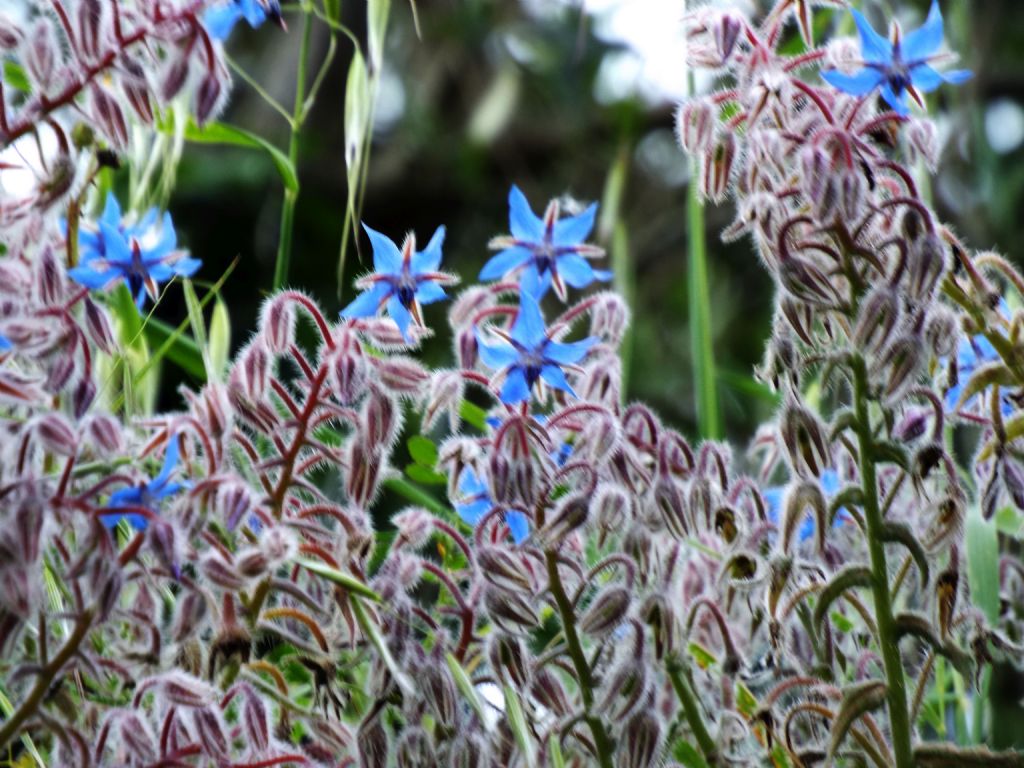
(983, 564)
(220, 339)
(425, 475)
(422, 450)
(222, 133)
(351, 583)
(377, 13)
(377, 640)
(198, 323)
(14, 76)
(555, 751)
(181, 350)
(702, 656)
(332, 10)
(517, 722)
(466, 687)
(357, 118)
(688, 755)
(473, 415)
(746, 703)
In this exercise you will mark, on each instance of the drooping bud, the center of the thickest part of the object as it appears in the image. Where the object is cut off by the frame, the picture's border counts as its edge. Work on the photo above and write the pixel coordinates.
(876, 318)
(414, 749)
(508, 658)
(97, 324)
(900, 365)
(804, 496)
(444, 395)
(504, 569)
(725, 30)
(109, 116)
(570, 515)
(641, 741)
(719, 158)
(695, 123)
(208, 98)
(926, 263)
(606, 612)
(381, 420)
(55, 435)
(805, 439)
(277, 324)
(510, 611)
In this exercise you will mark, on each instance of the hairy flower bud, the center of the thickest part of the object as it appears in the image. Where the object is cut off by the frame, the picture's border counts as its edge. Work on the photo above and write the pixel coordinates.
(414, 749)
(277, 323)
(512, 612)
(719, 158)
(382, 419)
(208, 98)
(695, 123)
(641, 741)
(444, 395)
(900, 365)
(877, 316)
(55, 435)
(805, 439)
(505, 569)
(365, 467)
(606, 612)
(926, 263)
(570, 515)
(508, 658)
(725, 29)
(402, 374)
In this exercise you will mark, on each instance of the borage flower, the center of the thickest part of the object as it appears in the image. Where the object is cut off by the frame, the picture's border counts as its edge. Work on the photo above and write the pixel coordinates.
(898, 66)
(974, 352)
(402, 279)
(141, 254)
(5, 344)
(146, 495)
(220, 19)
(547, 251)
(476, 502)
(776, 495)
(530, 354)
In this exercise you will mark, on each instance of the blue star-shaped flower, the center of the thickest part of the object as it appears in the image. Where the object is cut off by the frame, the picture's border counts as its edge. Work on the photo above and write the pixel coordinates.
(403, 279)
(220, 19)
(774, 496)
(548, 251)
(147, 495)
(530, 354)
(900, 66)
(142, 255)
(477, 503)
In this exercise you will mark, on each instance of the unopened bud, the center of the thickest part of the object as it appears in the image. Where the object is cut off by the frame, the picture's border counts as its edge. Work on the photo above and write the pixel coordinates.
(877, 317)
(726, 29)
(508, 658)
(606, 612)
(926, 263)
(805, 439)
(695, 122)
(277, 321)
(402, 374)
(208, 99)
(641, 741)
(719, 159)
(570, 515)
(55, 435)
(512, 612)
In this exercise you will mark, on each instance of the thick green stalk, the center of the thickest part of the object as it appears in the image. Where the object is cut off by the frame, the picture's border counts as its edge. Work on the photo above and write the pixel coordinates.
(888, 640)
(284, 238)
(691, 709)
(602, 742)
(704, 379)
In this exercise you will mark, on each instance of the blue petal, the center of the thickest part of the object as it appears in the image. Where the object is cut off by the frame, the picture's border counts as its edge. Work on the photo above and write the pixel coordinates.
(515, 389)
(523, 222)
(474, 510)
(570, 353)
(400, 315)
(957, 76)
(5, 343)
(367, 303)
(170, 462)
(924, 78)
(830, 482)
(504, 262)
(898, 103)
(864, 81)
(126, 497)
(518, 526)
(495, 355)
(531, 282)
(186, 267)
(168, 240)
(574, 230)
(554, 376)
(773, 498)
(145, 223)
(221, 19)
(91, 278)
(470, 484)
(111, 211)
(116, 247)
(575, 270)
(428, 293)
(924, 41)
(874, 48)
(429, 259)
(387, 258)
(529, 329)
(135, 520)
(253, 12)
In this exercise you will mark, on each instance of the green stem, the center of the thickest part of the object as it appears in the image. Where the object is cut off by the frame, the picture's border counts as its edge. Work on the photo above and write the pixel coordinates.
(45, 678)
(888, 640)
(704, 379)
(691, 708)
(284, 240)
(602, 742)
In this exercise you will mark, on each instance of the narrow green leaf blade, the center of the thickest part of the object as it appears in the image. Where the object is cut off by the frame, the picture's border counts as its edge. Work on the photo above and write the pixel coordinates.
(517, 722)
